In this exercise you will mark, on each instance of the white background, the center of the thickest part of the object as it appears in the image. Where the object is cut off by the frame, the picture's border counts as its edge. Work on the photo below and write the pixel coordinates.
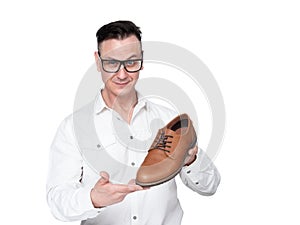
(251, 47)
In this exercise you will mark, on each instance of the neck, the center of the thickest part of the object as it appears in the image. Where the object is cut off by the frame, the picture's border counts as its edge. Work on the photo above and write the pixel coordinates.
(123, 105)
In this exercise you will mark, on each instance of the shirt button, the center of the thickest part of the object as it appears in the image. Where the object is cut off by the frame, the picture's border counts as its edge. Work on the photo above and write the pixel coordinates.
(98, 146)
(131, 137)
(134, 217)
(132, 163)
(188, 171)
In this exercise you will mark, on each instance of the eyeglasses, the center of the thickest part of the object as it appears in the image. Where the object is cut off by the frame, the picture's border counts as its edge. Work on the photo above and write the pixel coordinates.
(114, 65)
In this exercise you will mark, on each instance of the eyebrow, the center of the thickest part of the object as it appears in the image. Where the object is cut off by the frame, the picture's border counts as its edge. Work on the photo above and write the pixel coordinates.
(110, 58)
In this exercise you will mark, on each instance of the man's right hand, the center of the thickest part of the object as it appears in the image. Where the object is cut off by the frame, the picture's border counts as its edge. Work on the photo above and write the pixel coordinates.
(105, 193)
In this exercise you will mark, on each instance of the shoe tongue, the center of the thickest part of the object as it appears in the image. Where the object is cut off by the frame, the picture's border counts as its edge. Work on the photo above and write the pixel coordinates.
(171, 132)
(178, 132)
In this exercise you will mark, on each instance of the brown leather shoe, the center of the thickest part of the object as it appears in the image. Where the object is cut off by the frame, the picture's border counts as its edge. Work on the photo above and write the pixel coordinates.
(168, 151)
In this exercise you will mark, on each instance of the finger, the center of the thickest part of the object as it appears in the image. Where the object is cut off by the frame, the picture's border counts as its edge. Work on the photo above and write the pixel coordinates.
(127, 188)
(104, 175)
(104, 178)
(191, 155)
(196, 148)
(193, 151)
(187, 159)
(132, 182)
(134, 187)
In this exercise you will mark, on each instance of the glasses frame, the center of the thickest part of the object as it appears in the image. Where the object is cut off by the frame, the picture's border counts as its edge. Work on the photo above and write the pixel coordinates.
(122, 62)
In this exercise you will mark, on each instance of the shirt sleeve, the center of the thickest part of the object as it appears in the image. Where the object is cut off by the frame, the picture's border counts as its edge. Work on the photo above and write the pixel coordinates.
(201, 176)
(68, 198)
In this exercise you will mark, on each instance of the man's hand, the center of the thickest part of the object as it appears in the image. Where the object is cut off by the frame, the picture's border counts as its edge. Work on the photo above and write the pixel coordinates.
(191, 156)
(105, 193)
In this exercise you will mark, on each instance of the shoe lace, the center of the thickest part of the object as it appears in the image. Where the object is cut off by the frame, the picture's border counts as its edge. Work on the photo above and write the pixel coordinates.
(162, 142)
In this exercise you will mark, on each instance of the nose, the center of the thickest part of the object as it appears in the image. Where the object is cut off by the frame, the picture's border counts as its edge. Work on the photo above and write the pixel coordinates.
(122, 73)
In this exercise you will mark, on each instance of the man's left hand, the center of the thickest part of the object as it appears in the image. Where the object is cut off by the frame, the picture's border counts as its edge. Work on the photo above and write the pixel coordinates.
(192, 154)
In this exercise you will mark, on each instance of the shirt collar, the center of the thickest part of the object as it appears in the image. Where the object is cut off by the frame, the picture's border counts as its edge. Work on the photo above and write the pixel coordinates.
(100, 104)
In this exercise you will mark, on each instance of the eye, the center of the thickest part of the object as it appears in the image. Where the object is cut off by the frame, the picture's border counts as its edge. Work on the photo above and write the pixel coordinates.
(130, 62)
(111, 62)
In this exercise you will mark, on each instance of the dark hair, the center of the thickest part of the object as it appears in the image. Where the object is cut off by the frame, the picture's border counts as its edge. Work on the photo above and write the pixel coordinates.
(118, 30)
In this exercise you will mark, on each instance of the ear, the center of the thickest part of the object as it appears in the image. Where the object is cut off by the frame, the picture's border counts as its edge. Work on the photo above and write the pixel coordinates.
(142, 58)
(97, 60)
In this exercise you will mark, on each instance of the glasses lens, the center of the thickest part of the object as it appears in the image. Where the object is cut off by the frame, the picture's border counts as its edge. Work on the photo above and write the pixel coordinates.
(133, 65)
(111, 65)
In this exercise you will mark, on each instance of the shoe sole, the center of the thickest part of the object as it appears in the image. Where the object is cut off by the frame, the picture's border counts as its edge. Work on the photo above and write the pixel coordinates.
(171, 176)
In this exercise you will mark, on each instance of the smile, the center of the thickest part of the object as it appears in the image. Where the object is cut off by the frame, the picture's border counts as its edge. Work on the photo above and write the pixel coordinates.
(123, 83)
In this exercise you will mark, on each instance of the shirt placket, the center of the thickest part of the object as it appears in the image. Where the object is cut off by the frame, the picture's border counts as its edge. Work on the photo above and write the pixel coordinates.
(135, 217)
(131, 153)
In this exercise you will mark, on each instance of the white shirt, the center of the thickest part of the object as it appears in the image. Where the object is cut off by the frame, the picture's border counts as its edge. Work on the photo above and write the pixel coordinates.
(76, 160)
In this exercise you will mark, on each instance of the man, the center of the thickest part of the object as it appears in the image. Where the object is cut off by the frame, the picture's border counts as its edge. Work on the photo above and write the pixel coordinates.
(75, 191)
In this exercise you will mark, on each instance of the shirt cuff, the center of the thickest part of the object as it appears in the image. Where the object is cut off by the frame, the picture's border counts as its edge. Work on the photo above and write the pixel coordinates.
(85, 204)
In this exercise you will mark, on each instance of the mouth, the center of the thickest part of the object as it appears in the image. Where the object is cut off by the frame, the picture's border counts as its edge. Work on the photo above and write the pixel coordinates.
(122, 83)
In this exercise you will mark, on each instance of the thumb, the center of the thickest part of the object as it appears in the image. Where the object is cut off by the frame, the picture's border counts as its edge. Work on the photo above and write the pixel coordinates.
(104, 178)
(131, 182)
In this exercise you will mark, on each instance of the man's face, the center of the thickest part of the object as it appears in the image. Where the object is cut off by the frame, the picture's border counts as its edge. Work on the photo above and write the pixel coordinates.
(121, 82)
